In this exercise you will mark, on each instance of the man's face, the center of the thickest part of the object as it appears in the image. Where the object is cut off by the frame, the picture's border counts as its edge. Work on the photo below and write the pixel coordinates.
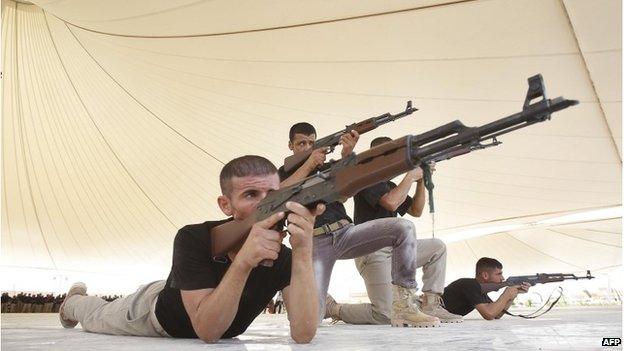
(246, 193)
(301, 143)
(493, 275)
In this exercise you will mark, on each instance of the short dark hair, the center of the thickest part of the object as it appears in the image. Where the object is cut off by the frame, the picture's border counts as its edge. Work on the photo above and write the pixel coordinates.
(304, 128)
(486, 264)
(379, 141)
(244, 166)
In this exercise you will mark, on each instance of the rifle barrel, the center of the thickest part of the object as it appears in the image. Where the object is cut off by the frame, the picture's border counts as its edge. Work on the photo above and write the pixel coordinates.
(455, 133)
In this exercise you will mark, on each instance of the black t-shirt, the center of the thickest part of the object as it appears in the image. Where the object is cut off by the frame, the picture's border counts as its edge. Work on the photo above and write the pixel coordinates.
(461, 296)
(334, 211)
(367, 205)
(193, 268)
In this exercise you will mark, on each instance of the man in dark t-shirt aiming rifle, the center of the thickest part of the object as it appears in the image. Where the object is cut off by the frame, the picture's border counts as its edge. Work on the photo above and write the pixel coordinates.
(211, 298)
(464, 295)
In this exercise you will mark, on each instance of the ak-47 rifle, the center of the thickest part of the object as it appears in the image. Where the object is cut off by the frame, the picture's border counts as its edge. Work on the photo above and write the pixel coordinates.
(539, 278)
(346, 177)
(331, 141)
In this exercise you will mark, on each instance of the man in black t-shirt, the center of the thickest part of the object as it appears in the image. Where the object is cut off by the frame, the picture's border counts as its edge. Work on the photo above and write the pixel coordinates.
(214, 298)
(464, 295)
(336, 238)
(388, 200)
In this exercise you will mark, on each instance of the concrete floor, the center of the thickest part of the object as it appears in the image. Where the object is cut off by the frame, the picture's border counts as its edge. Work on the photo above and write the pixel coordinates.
(561, 329)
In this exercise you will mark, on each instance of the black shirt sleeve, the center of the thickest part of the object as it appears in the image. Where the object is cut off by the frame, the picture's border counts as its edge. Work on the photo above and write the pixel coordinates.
(192, 268)
(374, 193)
(472, 293)
(462, 295)
(284, 269)
(402, 210)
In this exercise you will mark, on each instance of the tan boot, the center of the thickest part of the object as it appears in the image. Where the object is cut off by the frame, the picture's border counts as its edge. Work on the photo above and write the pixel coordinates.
(332, 308)
(433, 305)
(76, 289)
(405, 313)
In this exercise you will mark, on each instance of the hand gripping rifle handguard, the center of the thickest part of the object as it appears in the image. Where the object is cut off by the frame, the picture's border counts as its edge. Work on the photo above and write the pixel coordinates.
(346, 177)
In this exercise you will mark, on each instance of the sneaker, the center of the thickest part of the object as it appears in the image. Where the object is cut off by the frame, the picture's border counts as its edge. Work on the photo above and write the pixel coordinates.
(76, 289)
(405, 313)
(433, 305)
(332, 308)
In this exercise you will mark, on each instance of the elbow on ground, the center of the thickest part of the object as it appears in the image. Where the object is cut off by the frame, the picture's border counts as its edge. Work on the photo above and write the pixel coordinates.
(303, 338)
(209, 338)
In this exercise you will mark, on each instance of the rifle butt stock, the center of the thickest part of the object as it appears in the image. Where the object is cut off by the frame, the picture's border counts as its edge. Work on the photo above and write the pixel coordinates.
(229, 236)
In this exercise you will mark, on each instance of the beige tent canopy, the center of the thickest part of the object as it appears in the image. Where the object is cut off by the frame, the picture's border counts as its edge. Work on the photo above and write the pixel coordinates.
(118, 115)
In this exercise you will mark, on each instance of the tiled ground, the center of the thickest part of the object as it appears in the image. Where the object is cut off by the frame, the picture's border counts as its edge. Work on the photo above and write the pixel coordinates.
(561, 329)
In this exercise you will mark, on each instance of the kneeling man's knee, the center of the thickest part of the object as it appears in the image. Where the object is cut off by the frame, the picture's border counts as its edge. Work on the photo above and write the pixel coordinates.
(406, 226)
(439, 245)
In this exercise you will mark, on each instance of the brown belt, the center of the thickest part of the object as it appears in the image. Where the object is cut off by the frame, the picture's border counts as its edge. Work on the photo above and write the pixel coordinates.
(332, 227)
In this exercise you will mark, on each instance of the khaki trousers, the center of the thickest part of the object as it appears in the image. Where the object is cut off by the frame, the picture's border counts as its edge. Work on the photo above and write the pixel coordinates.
(375, 269)
(130, 315)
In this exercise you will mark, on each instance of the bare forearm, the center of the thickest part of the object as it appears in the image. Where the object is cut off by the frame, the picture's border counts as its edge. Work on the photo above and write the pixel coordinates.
(505, 309)
(419, 200)
(395, 197)
(497, 307)
(303, 314)
(300, 174)
(500, 304)
(216, 311)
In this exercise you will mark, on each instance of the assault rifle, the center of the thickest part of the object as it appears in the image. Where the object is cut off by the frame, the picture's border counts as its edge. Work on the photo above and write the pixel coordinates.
(346, 177)
(539, 278)
(331, 141)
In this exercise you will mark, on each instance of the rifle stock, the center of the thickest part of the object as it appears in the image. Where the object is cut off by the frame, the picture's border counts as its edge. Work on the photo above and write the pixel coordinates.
(346, 177)
(227, 236)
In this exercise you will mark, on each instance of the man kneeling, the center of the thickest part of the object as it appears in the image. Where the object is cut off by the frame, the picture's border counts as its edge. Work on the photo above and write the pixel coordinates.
(213, 299)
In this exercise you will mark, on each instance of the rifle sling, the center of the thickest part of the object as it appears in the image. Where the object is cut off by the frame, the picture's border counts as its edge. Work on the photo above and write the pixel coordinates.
(428, 182)
(533, 314)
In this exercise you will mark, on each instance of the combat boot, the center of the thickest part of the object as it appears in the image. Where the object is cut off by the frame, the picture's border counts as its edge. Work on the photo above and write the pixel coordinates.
(332, 309)
(405, 313)
(433, 305)
(76, 289)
